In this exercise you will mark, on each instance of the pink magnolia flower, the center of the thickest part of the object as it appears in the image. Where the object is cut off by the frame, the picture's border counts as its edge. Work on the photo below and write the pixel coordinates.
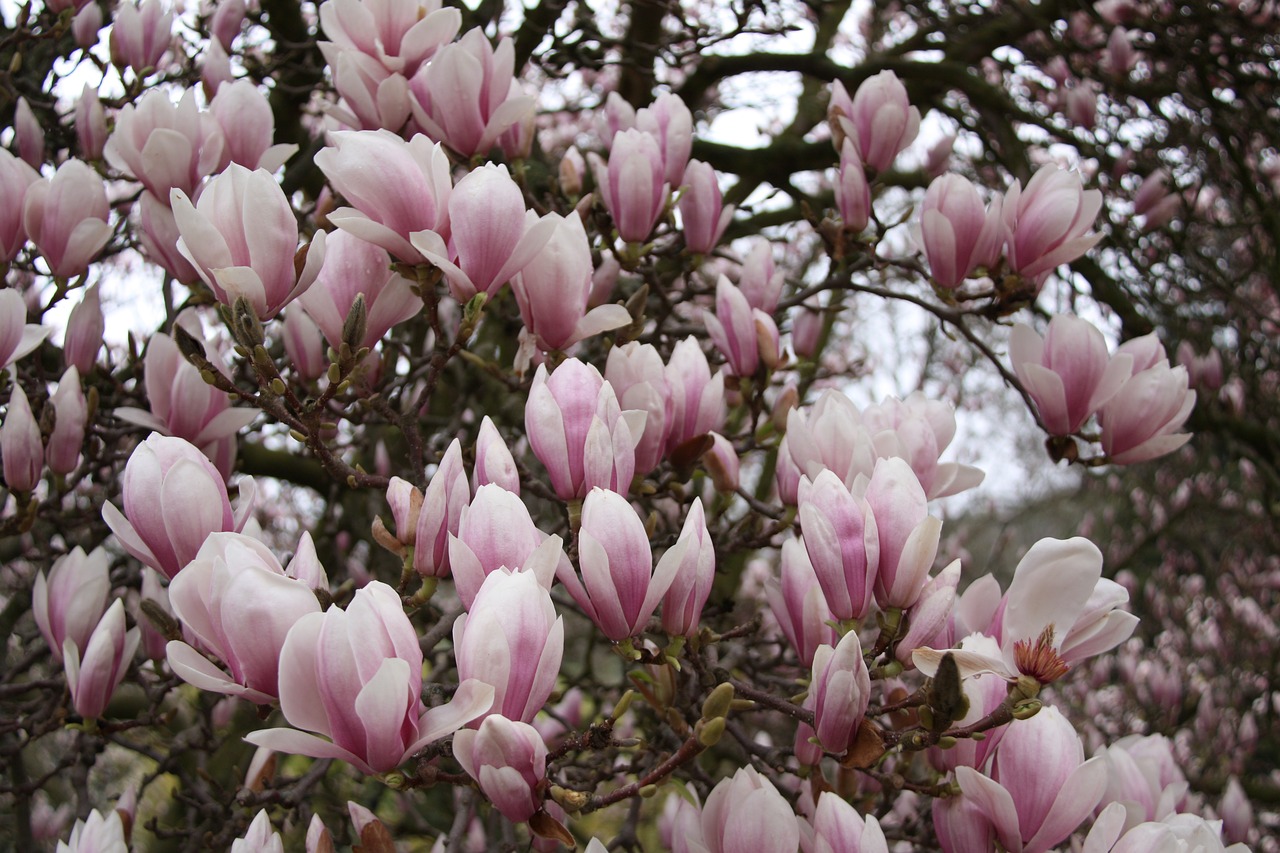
(183, 405)
(1067, 372)
(1040, 788)
(66, 217)
(159, 238)
(798, 604)
(958, 233)
(71, 411)
(683, 602)
(354, 676)
(760, 279)
(408, 192)
(239, 603)
(513, 640)
(639, 377)
(830, 435)
(578, 431)
(140, 35)
(94, 674)
(353, 267)
(853, 195)
(839, 692)
(426, 521)
(165, 145)
(620, 587)
(1046, 221)
(16, 177)
(879, 119)
(838, 828)
(401, 37)
(86, 25)
(722, 463)
(509, 761)
(703, 215)
(85, 328)
(96, 834)
(248, 127)
(928, 617)
(1203, 371)
(1058, 610)
(908, 534)
(304, 344)
(632, 184)
(840, 535)
(17, 336)
(669, 121)
(173, 499)
(21, 450)
(553, 289)
(372, 98)
(961, 826)
(1140, 421)
(29, 134)
(746, 336)
(496, 531)
(745, 812)
(919, 430)
(467, 97)
(70, 601)
(226, 21)
(261, 837)
(807, 322)
(494, 462)
(494, 236)
(697, 397)
(242, 237)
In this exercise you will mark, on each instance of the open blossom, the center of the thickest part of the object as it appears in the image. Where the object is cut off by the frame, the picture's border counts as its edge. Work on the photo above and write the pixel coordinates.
(185, 406)
(554, 287)
(578, 431)
(66, 217)
(879, 119)
(1046, 221)
(354, 676)
(248, 127)
(494, 236)
(1142, 420)
(669, 121)
(467, 96)
(140, 34)
(838, 828)
(958, 233)
(1058, 610)
(239, 603)
(242, 237)
(400, 37)
(15, 177)
(407, 192)
(165, 145)
(496, 531)
(620, 587)
(353, 267)
(17, 336)
(1067, 372)
(173, 499)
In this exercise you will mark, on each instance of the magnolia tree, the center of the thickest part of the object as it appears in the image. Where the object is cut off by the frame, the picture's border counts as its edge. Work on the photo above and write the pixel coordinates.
(492, 427)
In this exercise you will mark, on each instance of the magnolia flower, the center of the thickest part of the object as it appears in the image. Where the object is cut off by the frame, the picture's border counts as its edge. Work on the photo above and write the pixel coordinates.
(958, 233)
(1046, 221)
(354, 676)
(746, 812)
(1067, 372)
(1058, 610)
(242, 236)
(239, 602)
(509, 761)
(69, 602)
(66, 217)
